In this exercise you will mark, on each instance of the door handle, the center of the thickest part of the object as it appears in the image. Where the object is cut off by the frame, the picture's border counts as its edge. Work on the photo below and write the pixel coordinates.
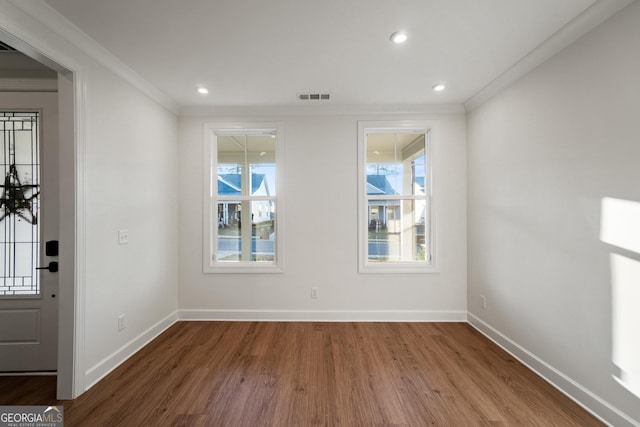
(52, 267)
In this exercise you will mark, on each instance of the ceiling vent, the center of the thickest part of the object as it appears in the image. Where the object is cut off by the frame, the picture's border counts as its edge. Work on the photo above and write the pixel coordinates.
(314, 96)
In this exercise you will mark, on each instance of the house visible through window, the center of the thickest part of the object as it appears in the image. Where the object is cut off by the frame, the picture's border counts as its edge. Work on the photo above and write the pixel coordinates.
(242, 191)
(395, 198)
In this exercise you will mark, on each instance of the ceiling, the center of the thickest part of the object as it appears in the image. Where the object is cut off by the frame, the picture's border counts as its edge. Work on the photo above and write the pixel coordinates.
(264, 53)
(16, 64)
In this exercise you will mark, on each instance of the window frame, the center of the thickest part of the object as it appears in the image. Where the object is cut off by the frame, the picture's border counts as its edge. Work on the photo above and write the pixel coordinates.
(210, 197)
(402, 126)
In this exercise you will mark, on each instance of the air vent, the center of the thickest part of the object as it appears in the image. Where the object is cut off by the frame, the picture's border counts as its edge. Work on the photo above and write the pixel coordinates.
(314, 96)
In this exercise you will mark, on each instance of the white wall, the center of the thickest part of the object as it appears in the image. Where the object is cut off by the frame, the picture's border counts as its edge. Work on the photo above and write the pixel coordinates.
(131, 183)
(126, 149)
(542, 155)
(321, 230)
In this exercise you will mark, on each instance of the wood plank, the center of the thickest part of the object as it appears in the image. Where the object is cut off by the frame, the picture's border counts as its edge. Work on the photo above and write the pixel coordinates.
(313, 374)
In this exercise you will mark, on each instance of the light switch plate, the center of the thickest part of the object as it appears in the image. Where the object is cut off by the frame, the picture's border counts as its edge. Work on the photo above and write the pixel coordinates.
(123, 237)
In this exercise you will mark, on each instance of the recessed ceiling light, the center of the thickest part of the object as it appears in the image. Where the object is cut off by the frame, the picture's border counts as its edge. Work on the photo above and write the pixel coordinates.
(439, 87)
(202, 90)
(399, 37)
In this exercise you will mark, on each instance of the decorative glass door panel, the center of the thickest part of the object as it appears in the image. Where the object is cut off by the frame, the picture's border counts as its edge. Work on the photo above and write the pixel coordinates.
(19, 204)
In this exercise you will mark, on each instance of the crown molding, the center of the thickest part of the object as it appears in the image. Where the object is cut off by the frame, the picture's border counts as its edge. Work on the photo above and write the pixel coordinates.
(58, 24)
(321, 110)
(590, 18)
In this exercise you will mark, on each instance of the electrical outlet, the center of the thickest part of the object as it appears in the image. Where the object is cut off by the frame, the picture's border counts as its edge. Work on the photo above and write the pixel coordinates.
(121, 324)
(483, 301)
(315, 292)
(123, 237)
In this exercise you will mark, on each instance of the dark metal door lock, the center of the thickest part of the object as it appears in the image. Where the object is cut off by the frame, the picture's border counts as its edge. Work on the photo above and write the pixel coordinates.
(51, 248)
(52, 267)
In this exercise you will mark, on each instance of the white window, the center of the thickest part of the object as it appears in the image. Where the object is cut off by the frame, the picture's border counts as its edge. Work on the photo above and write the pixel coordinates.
(243, 197)
(395, 197)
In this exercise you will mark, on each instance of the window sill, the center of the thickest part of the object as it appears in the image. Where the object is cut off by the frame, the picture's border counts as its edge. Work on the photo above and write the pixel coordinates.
(243, 268)
(397, 268)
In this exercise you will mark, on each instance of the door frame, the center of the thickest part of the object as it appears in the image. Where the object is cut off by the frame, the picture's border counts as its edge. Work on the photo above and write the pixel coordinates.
(19, 31)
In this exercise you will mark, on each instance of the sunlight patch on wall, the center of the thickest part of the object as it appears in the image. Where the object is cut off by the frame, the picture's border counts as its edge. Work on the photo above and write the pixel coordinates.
(620, 228)
(620, 225)
(625, 280)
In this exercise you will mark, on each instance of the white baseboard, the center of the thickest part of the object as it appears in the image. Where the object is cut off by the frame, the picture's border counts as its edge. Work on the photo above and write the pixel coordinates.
(325, 316)
(582, 396)
(115, 359)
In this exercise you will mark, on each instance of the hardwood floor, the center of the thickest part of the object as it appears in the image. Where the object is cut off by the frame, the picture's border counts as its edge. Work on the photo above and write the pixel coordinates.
(313, 374)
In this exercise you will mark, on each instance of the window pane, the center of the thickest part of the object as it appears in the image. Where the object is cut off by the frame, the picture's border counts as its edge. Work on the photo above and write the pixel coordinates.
(259, 237)
(263, 231)
(231, 170)
(419, 176)
(19, 230)
(263, 179)
(396, 230)
(237, 154)
(261, 157)
(395, 163)
(229, 231)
